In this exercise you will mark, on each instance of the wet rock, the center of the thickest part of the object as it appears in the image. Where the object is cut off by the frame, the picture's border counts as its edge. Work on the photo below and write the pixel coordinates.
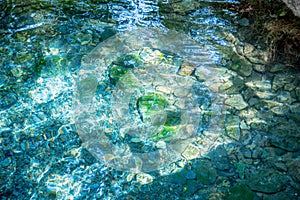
(234, 86)
(191, 187)
(241, 65)
(245, 70)
(144, 178)
(280, 166)
(191, 152)
(186, 69)
(298, 92)
(289, 87)
(219, 157)
(280, 110)
(294, 170)
(84, 38)
(23, 57)
(264, 94)
(7, 100)
(259, 85)
(294, 6)
(206, 173)
(237, 102)
(295, 108)
(3, 80)
(177, 177)
(181, 92)
(239, 192)
(285, 97)
(233, 127)
(226, 86)
(164, 89)
(259, 68)
(277, 68)
(254, 55)
(289, 193)
(240, 168)
(190, 174)
(17, 72)
(204, 73)
(285, 136)
(257, 152)
(280, 80)
(267, 181)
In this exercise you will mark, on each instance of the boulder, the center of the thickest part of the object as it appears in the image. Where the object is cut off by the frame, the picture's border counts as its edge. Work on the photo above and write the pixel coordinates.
(294, 5)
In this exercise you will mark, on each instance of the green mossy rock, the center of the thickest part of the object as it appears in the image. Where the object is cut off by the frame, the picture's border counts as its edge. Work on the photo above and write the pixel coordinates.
(116, 72)
(239, 192)
(167, 134)
(206, 173)
(122, 65)
(152, 103)
(268, 181)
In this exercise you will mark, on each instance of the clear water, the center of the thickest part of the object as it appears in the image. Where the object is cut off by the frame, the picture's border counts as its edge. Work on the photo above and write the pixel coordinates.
(141, 100)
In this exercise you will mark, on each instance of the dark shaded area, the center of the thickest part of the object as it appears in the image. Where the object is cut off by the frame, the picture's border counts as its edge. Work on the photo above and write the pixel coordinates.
(273, 26)
(225, 174)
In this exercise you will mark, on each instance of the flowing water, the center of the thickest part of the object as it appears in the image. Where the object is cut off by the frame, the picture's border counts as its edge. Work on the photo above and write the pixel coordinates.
(142, 100)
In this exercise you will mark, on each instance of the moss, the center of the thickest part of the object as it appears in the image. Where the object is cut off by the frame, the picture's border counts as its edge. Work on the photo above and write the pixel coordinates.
(173, 118)
(51, 66)
(122, 65)
(39, 66)
(152, 102)
(166, 134)
(116, 72)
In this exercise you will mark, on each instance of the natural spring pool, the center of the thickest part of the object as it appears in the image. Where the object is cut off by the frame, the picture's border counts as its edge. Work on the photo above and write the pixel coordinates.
(142, 100)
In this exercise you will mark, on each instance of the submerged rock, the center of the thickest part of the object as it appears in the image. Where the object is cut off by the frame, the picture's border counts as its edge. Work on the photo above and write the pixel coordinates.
(236, 101)
(294, 170)
(239, 192)
(268, 181)
(205, 172)
(152, 107)
(7, 100)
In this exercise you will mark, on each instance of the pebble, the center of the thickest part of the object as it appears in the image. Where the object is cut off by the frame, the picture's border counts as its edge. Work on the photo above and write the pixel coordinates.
(181, 92)
(186, 69)
(144, 178)
(164, 89)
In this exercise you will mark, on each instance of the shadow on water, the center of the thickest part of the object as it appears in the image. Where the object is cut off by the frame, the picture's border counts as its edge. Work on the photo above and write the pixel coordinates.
(41, 155)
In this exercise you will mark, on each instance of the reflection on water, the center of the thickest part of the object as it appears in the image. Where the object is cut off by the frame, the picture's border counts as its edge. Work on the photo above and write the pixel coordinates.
(151, 66)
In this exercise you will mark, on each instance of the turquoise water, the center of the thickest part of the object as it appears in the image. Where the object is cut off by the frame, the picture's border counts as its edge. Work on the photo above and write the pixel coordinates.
(142, 100)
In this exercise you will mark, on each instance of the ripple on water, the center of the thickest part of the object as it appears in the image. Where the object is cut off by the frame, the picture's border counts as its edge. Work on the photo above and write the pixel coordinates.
(143, 123)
